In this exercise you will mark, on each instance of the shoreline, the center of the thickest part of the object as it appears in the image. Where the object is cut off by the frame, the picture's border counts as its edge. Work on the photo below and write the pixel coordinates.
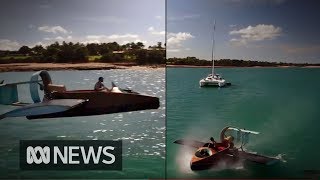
(194, 66)
(20, 67)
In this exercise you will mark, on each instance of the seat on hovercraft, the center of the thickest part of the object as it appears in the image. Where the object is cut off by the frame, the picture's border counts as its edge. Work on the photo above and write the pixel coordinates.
(56, 88)
(204, 152)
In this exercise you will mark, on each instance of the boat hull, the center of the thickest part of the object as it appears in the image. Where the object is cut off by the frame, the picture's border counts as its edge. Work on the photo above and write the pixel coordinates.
(215, 156)
(204, 83)
(213, 162)
(213, 84)
(102, 102)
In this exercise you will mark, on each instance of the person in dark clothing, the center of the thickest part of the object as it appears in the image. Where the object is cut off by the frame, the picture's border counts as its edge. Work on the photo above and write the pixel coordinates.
(212, 144)
(99, 86)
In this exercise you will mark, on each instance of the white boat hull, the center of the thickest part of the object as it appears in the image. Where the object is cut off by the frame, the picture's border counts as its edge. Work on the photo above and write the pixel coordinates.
(213, 83)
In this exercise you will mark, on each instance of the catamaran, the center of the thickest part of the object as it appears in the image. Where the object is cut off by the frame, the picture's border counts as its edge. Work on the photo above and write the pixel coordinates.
(213, 79)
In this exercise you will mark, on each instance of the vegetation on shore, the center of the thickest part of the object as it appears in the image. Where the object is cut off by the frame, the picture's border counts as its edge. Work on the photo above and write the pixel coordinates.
(130, 53)
(193, 61)
(81, 53)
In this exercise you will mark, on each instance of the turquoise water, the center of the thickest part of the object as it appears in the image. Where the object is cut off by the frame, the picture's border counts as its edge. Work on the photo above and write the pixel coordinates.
(142, 132)
(281, 103)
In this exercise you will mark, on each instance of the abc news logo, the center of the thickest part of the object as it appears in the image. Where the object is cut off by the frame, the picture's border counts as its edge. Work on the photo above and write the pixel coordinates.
(70, 155)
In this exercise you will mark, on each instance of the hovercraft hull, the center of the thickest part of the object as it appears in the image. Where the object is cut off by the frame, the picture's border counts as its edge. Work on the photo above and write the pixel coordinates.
(102, 102)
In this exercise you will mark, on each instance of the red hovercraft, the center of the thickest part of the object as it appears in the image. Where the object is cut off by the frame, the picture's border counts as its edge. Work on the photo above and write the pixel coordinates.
(210, 154)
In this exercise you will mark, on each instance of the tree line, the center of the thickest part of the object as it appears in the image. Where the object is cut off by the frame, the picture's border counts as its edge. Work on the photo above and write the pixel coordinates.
(193, 61)
(69, 52)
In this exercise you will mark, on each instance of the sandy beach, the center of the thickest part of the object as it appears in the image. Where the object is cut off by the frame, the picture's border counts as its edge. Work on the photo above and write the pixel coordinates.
(70, 66)
(192, 66)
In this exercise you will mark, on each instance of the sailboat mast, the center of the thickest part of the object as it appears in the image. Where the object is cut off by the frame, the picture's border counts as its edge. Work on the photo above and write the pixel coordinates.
(212, 52)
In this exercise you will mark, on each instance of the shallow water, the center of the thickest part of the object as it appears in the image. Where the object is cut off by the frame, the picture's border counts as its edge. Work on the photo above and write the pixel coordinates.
(281, 103)
(142, 132)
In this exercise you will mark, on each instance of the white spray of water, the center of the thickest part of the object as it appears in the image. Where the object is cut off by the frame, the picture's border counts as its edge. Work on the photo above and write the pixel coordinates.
(183, 159)
(281, 157)
(224, 165)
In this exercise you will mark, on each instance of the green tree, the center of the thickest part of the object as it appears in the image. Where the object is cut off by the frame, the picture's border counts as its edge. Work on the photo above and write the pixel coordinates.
(110, 57)
(70, 52)
(51, 52)
(139, 45)
(65, 52)
(25, 50)
(104, 49)
(80, 53)
(141, 56)
(93, 49)
(38, 50)
(156, 57)
(124, 47)
(114, 46)
(135, 46)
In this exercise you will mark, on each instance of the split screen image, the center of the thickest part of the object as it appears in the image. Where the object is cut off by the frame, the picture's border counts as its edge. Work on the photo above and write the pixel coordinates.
(177, 89)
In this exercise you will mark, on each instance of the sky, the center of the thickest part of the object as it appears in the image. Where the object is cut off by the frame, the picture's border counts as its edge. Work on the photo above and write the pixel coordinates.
(263, 30)
(33, 22)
